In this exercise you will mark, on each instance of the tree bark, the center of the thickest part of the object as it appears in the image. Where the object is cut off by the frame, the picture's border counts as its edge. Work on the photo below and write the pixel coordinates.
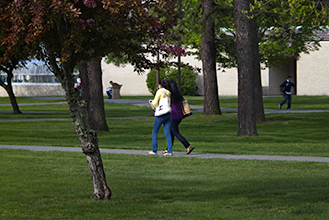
(258, 91)
(245, 61)
(158, 71)
(83, 74)
(10, 92)
(92, 92)
(87, 136)
(179, 75)
(97, 119)
(208, 56)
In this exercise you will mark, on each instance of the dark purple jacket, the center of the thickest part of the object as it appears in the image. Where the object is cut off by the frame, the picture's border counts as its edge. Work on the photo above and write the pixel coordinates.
(176, 110)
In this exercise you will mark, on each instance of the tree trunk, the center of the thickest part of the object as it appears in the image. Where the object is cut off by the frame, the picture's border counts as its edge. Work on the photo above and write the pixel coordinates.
(245, 61)
(92, 92)
(10, 92)
(158, 71)
(89, 141)
(83, 74)
(87, 136)
(97, 119)
(208, 56)
(258, 91)
(179, 75)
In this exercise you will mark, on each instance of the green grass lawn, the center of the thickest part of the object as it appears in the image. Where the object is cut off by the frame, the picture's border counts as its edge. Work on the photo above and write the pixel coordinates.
(298, 102)
(57, 185)
(283, 134)
(6, 100)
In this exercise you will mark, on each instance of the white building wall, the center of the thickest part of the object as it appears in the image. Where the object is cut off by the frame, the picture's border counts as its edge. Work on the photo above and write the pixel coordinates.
(227, 81)
(312, 72)
(265, 79)
(135, 84)
(312, 78)
(35, 90)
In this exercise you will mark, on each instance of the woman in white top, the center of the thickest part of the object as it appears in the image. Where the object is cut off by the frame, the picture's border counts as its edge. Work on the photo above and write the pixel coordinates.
(161, 105)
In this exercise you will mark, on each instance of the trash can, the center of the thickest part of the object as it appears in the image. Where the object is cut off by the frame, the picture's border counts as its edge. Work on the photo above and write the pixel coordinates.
(116, 92)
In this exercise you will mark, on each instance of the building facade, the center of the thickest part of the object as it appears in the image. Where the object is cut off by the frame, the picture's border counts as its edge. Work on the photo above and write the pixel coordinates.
(309, 72)
(35, 80)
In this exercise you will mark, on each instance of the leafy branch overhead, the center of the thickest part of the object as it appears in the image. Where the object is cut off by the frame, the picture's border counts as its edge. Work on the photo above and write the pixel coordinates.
(286, 28)
(71, 29)
(289, 27)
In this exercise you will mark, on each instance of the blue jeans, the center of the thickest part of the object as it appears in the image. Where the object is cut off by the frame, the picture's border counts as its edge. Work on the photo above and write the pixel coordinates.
(158, 121)
(286, 98)
(109, 94)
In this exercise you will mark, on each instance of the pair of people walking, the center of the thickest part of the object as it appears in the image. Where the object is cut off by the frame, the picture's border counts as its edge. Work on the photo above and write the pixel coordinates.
(167, 104)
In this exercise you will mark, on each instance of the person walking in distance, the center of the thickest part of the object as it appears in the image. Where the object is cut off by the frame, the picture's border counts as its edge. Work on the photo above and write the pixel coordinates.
(285, 87)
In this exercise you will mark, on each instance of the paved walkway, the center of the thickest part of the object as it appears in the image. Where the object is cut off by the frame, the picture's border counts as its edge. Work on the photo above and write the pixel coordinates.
(175, 154)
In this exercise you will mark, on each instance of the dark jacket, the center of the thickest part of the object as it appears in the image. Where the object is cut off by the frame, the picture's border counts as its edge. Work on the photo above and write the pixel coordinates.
(176, 109)
(287, 84)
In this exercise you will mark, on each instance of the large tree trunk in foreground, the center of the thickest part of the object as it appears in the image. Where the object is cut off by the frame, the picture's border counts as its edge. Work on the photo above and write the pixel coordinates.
(258, 91)
(10, 92)
(208, 56)
(245, 61)
(87, 136)
(92, 92)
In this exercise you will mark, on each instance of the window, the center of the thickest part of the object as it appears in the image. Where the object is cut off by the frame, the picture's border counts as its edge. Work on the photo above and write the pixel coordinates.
(3, 77)
(32, 75)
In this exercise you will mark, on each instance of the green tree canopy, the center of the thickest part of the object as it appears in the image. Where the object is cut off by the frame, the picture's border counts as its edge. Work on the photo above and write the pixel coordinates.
(188, 77)
(289, 27)
(286, 28)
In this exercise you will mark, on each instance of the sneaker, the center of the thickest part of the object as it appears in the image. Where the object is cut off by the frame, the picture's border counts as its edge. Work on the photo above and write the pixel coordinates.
(152, 153)
(167, 154)
(280, 106)
(289, 109)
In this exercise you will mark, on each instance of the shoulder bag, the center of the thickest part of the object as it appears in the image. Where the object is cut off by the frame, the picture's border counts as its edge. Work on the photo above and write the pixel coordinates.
(163, 106)
(186, 109)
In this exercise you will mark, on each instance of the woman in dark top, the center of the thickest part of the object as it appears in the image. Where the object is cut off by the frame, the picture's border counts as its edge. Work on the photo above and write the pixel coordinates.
(177, 116)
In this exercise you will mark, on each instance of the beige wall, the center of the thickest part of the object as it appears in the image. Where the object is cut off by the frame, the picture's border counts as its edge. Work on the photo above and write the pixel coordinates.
(313, 76)
(134, 84)
(310, 68)
(227, 81)
(33, 90)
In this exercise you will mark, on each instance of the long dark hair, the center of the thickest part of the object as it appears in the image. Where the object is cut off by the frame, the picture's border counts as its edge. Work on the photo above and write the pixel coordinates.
(164, 83)
(176, 96)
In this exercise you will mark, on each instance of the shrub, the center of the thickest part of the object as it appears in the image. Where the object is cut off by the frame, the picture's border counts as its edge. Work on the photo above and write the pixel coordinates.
(188, 79)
